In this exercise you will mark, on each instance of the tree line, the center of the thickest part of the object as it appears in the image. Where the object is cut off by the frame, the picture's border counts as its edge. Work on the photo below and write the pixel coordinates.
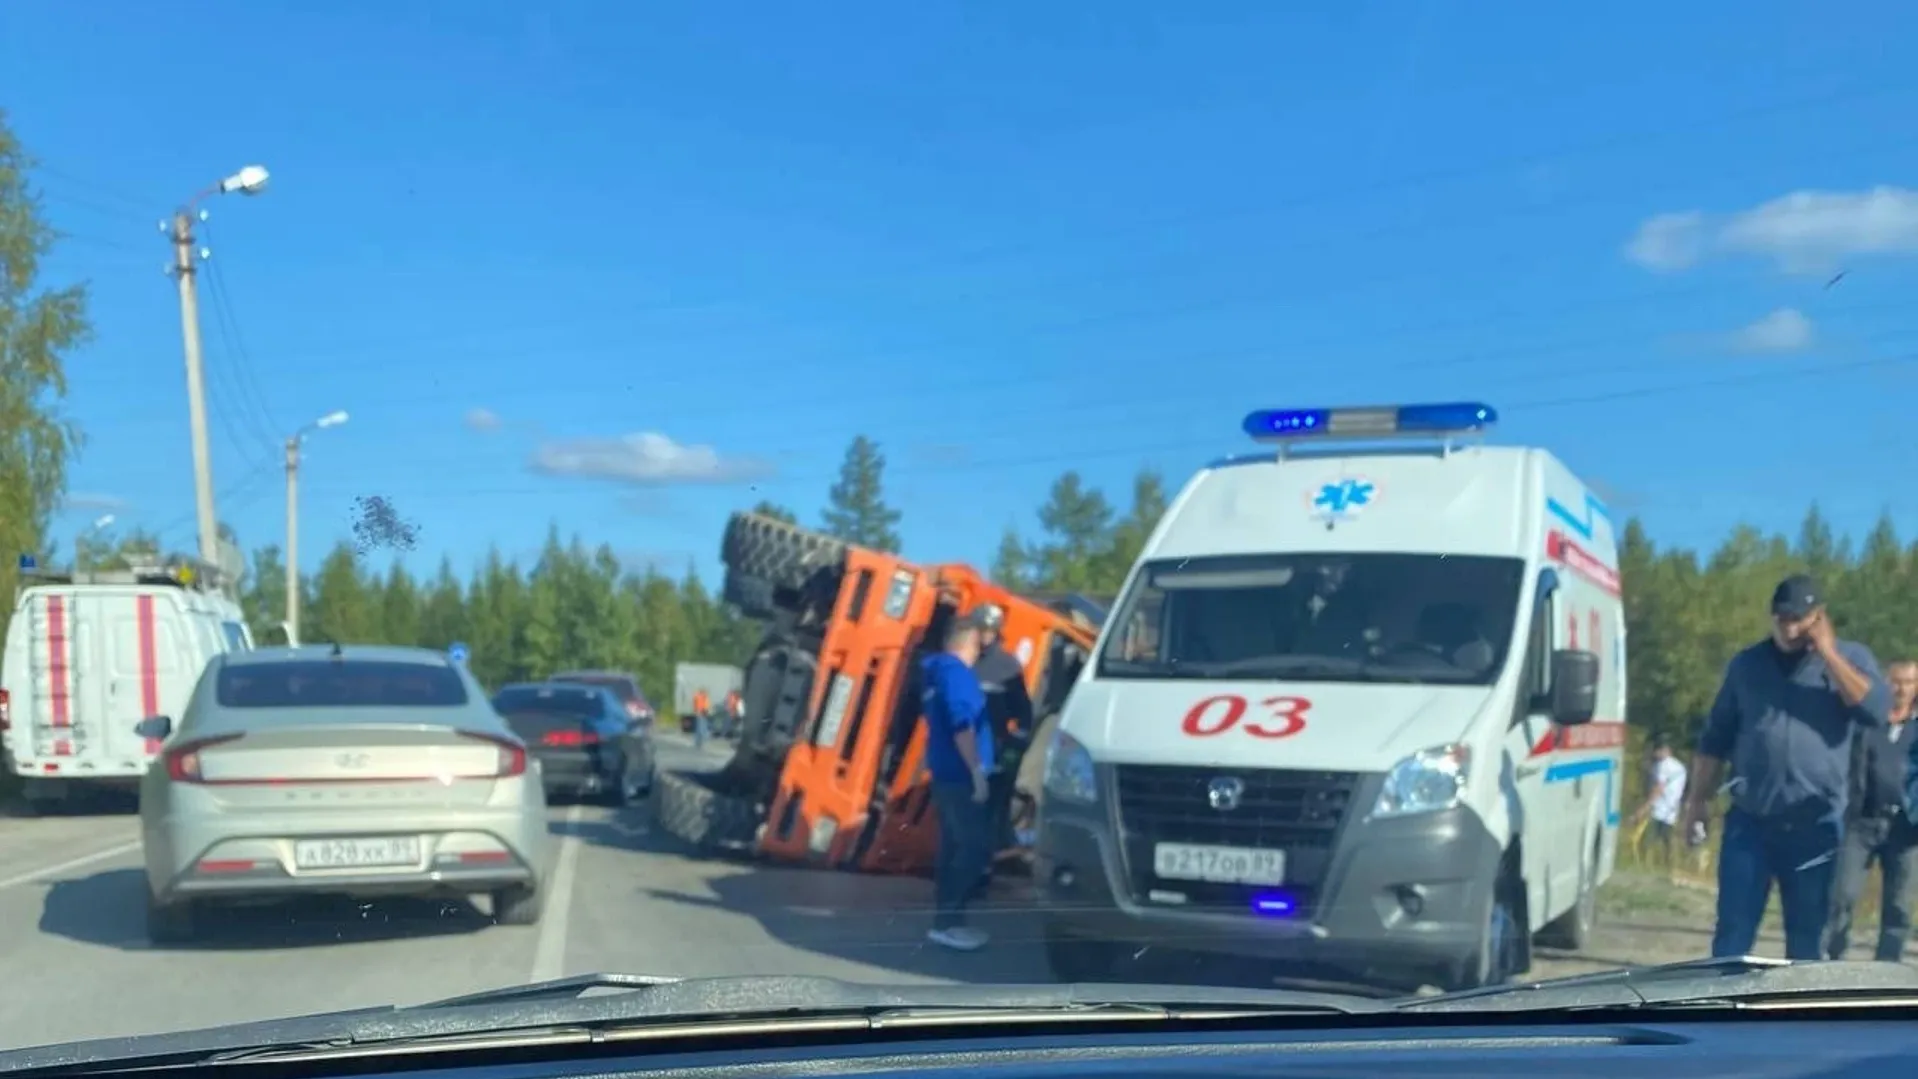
(1686, 611)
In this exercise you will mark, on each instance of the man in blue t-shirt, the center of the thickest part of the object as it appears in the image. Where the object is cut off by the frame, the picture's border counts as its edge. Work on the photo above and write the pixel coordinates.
(959, 757)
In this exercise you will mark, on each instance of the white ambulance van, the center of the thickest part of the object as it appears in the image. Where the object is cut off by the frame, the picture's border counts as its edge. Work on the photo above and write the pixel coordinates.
(90, 655)
(1360, 708)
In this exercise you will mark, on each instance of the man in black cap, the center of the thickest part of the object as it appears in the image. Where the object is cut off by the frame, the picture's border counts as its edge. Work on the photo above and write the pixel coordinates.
(1785, 718)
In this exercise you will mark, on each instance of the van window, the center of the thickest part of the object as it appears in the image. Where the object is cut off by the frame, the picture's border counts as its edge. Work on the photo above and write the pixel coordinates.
(1319, 617)
(325, 683)
(235, 637)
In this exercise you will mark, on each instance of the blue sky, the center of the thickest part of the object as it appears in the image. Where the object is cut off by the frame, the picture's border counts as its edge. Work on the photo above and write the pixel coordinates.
(1003, 239)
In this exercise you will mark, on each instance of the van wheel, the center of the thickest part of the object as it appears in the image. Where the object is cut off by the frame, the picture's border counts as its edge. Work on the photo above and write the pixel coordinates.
(170, 923)
(1572, 930)
(519, 905)
(1499, 956)
(1074, 959)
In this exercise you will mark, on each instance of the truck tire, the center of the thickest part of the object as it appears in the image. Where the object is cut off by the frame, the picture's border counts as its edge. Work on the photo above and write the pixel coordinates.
(781, 555)
(688, 808)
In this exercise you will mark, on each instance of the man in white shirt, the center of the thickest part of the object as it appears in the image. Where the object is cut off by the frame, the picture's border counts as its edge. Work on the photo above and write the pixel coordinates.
(1667, 798)
(1884, 831)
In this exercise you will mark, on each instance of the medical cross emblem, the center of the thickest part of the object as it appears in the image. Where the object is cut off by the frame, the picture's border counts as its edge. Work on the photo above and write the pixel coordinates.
(1343, 498)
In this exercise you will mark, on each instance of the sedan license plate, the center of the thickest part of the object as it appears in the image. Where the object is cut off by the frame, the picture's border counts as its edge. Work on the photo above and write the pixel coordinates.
(382, 851)
(1218, 865)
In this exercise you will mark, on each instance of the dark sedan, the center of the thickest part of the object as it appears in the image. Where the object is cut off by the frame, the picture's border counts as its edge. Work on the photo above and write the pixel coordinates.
(624, 686)
(586, 743)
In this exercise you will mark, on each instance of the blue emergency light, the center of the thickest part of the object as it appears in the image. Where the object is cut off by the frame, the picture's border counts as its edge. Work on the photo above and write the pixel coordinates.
(1379, 421)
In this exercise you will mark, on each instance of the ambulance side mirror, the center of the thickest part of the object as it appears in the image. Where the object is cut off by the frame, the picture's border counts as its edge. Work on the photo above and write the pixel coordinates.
(158, 728)
(1574, 686)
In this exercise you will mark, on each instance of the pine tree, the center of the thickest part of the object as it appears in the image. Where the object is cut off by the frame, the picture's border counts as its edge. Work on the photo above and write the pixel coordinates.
(856, 509)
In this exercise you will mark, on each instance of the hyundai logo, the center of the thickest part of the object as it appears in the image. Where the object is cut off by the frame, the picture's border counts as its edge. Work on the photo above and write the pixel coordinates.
(1223, 793)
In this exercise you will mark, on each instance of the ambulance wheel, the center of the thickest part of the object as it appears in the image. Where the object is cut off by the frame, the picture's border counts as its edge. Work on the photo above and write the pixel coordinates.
(1499, 956)
(1075, 959)
(1572, 930)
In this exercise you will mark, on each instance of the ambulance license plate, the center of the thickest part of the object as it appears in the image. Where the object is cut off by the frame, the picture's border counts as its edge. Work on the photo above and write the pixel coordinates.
(383, 851)
(1218, 865)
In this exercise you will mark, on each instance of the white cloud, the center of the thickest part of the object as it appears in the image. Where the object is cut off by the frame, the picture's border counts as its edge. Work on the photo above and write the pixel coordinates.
(1805, 232)
(1668, 242)
(79, 502)
(645, 459)
(1784, 330)
(483, 419)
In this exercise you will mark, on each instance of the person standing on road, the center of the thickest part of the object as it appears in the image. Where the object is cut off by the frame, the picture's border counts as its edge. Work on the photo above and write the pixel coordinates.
(702, 704)
(1666, 799)
(959, 757)
(1878, 825)
(1009, 707)
(1784, 717)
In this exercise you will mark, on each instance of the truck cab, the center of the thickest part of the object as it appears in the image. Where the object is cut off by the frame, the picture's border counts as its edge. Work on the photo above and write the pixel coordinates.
(1359, 711)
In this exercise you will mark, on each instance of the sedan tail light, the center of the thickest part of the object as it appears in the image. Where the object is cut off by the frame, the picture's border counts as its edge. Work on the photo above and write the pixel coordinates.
(183, 760)
(569, 738)
(512, 755)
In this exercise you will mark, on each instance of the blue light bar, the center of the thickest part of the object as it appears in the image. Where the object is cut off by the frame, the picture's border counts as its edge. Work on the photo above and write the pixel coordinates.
(1275, 905)
(1383, 421)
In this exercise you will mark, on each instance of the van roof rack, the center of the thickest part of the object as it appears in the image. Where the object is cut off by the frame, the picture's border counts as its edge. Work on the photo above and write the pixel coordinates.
(177, 571)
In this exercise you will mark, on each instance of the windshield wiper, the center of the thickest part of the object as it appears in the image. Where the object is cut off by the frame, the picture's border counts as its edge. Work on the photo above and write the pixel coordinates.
(567, 1011)
(1731, 982)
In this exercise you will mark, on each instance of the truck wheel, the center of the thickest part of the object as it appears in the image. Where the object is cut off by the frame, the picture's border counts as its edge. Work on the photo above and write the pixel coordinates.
(518, 905)
(753, 596)
(779, 554)
(687, 807)
(1074, 959)
(170, 923)
(1572, 930)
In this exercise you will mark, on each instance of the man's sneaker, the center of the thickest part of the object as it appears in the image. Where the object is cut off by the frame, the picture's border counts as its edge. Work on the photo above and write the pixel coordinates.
(960, 938)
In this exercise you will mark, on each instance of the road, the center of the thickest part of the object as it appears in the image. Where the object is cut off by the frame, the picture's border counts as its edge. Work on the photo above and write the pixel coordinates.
(75, 962)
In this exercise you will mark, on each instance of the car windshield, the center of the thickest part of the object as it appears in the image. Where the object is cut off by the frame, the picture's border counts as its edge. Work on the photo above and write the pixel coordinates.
(1443, 619)
(338, 684)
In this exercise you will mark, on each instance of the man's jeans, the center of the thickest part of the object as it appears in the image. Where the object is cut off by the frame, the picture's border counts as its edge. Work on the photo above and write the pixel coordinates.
(1801, 856)
(1893, 843)
(962, 856)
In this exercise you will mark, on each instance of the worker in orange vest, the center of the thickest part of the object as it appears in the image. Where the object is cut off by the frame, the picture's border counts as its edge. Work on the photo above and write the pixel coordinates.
(735, 712)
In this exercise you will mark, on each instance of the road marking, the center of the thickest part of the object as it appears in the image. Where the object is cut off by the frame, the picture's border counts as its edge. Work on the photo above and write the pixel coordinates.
(71, 863)
(549, 955)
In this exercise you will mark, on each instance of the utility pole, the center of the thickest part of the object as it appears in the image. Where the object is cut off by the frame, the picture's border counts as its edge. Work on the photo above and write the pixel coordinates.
(195, 388)
(293, 539)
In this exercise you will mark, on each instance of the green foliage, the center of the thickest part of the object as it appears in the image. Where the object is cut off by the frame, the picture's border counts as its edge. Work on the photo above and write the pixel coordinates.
(573, 607)
(856, 509)
(39, 328)
(776, 511)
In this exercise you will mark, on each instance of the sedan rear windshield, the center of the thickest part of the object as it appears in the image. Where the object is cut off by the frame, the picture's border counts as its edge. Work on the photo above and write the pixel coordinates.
(580, 703)
(623, 688)
(339, 684)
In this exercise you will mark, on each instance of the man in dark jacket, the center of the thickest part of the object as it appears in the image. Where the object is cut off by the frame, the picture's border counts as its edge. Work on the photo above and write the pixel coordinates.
(1003, 678)
(1878, 825)
(1785, 718)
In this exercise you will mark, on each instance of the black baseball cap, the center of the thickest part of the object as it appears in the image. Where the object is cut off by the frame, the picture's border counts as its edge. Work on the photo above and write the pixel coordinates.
(1796, 596)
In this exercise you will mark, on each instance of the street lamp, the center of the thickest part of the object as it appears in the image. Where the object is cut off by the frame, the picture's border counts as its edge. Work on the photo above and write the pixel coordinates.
(293, 441)
(250, 180)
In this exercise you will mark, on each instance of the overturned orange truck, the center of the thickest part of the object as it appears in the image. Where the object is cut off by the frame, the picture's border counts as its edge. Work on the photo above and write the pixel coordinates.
(827, 769)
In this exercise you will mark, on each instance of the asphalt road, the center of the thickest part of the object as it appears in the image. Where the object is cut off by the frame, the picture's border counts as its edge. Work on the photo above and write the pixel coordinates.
(75, 962)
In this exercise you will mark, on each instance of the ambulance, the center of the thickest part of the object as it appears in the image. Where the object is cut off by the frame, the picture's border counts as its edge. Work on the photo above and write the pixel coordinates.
(1359, 711)
(89, 655)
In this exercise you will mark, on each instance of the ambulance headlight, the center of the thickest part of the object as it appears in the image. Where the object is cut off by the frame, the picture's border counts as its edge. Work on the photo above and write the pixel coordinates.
(1425, 782)
(1069, 774)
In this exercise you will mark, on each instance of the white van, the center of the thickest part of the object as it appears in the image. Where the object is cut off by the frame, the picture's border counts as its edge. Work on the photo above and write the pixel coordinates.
(90, 655)
(1360, 708)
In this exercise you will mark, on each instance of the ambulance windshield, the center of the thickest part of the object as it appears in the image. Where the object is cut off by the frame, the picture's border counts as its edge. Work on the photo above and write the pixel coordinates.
(1327, 617)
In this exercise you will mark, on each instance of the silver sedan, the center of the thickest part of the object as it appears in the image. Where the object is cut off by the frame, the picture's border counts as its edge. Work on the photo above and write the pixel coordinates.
(361, 770)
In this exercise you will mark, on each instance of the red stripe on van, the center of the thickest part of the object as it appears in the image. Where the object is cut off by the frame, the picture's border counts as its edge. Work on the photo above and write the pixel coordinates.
(61, 706)
(1598, 734)
(149, 675)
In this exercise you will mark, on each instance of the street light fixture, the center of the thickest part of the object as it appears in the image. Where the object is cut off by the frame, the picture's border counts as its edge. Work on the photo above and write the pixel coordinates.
(293, 442)
(250, 180)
